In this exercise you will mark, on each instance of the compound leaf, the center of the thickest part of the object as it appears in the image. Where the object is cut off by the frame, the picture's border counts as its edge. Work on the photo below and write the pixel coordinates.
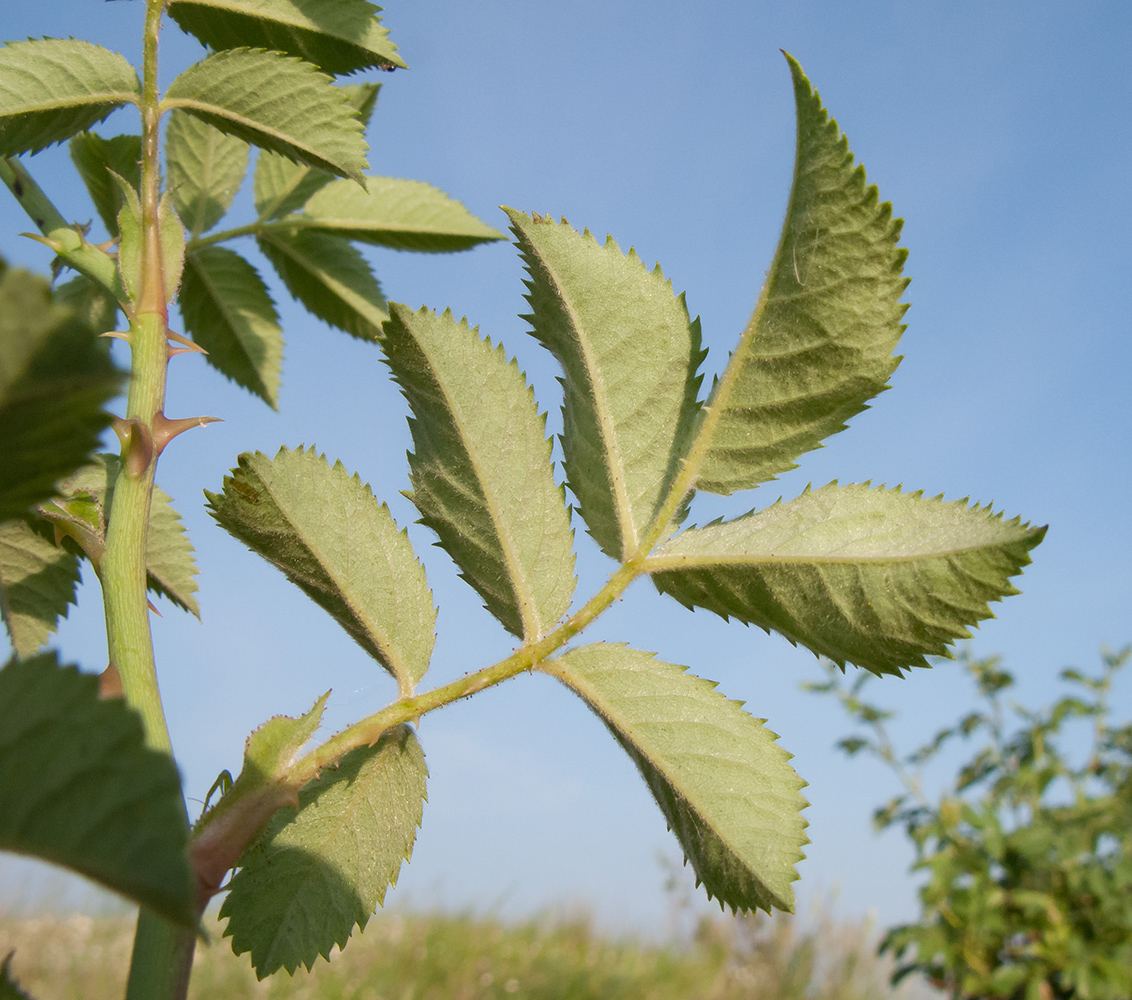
(319, 871)
(228, 311)
(51, 88)
(481, 472)
(339, 36)
(238, 91)
(405, 215)
(205, 169)
(37, 586)
(330, 277)
(323, 528)
(96, 159)
(819, 345)
(82, 789)
(875, 577)
(724, 785)
(630, 355)
(55, 378)
(282, 186)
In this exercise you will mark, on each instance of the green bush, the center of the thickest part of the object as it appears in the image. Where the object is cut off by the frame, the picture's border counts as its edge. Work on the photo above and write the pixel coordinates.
(1027, 851)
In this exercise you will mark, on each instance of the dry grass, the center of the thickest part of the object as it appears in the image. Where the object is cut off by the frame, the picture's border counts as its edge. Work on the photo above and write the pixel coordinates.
(405, 957)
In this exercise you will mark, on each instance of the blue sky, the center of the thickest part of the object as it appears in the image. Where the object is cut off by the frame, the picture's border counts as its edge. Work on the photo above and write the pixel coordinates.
(998, 131)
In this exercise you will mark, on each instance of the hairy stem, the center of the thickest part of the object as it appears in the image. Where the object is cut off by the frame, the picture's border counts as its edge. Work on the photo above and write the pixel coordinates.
(221, 835)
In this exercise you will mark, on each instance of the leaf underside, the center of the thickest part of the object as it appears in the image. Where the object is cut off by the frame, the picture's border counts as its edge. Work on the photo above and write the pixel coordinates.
(81, 789)
(330, 277)
(317, 873)
(630, 355)
(339, 36)
(480, 469)
(819, 345)
(875, 577)
(37, 586)
(205, 169)
(404, 215)
(282, 186)
(725, 787)
(237, 91)
(95, 157)
(323, 528)
(52, 88)
(55, 378)
(228, 311)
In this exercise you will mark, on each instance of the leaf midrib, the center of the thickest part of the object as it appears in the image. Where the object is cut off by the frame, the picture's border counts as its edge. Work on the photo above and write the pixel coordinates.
(352, 299)
(402, 675)
(589, 694)
(660, 563)
(221, 304)
(227, 114)
(516, 577)
(110, 97)
(616, 465)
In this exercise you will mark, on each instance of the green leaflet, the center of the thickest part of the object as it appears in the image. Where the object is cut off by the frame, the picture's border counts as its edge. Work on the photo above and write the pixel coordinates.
(405, 215)
(819, 345)
(724, 785)
(875, 577)
(356, 565)
(83, 509)
(130, 246)
(55, 378)
(37, 586)
(205, 169)
(81, 789)
(228, 311)
(95, 158)
(51, 88)
(271, 749)
(630, 356)
(339, 36)
(282, 186)
(330, 277)
(319, 872)
(233, 90)
(480, 469)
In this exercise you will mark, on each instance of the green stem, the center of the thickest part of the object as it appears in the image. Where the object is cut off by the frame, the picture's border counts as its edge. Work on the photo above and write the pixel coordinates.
(525, 658)
(226, 829)
(162, 957)
(64, 238)
(251, 229)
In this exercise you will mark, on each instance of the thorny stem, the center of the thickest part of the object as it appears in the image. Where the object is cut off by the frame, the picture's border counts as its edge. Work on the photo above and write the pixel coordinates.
(162, 956)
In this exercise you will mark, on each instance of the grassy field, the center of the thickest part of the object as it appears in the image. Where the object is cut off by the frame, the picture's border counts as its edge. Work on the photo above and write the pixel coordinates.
(436, 957)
